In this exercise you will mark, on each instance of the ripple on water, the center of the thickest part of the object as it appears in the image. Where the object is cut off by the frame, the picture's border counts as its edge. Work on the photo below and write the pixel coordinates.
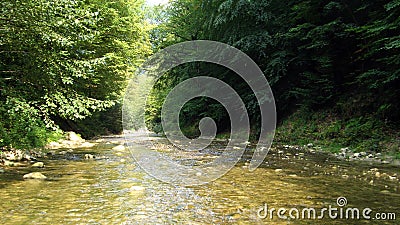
(111, 191)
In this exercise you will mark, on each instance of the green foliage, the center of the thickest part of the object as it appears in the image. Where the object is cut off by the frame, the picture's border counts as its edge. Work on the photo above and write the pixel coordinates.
(68, 60)
(135, 102)
(317, 55)
(329, 130)
(21, 126)
(100, 123)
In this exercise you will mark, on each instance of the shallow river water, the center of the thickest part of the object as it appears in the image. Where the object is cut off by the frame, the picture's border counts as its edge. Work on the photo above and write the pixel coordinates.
(113, 189)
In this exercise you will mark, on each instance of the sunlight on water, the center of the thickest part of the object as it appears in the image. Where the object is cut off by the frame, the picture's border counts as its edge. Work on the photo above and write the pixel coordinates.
(114, 190)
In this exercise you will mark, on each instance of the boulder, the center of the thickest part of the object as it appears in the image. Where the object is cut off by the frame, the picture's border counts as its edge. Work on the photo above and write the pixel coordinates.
(34, 175)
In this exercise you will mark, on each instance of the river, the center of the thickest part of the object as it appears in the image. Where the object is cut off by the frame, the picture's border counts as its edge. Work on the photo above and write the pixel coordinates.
(113, 189)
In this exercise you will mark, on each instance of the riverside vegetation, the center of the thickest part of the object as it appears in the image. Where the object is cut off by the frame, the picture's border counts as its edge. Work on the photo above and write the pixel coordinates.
(333, 67)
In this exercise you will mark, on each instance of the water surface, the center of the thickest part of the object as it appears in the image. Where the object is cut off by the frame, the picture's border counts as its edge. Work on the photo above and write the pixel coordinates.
(112, 189)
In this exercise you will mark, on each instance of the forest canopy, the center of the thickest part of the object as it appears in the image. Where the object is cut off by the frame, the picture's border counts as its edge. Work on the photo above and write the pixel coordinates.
(335, 63)
(63, 61)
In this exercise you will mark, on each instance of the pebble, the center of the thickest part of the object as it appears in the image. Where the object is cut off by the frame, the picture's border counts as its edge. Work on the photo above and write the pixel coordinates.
(371, 182)
(278, 170)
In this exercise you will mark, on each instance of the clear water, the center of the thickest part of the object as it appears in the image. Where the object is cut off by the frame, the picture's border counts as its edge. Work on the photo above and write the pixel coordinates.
(114, 190)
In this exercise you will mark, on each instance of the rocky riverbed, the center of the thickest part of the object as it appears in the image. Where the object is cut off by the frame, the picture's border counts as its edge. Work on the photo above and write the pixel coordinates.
(104, 185)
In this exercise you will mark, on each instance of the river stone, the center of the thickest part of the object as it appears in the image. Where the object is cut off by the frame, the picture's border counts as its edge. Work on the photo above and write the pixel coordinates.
(89, 156)
(16, 155)
(278, 170)
(137, 188)
(38, 164)
(119, 148)
(87, 145)
(53, 145)
(8, 163)
(72, 136)
(34, 175)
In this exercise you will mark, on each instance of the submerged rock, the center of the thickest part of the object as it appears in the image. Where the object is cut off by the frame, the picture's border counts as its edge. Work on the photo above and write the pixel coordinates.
(34, 175)
(119, 148)
(38, 164)
(87, 145)
(137, 188)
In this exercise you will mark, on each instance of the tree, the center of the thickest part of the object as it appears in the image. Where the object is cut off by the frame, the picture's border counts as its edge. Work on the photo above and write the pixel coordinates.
(66, 59)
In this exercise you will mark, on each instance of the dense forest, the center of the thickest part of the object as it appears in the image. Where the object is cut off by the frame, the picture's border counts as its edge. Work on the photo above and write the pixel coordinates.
(333, 66)
(64, 65)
